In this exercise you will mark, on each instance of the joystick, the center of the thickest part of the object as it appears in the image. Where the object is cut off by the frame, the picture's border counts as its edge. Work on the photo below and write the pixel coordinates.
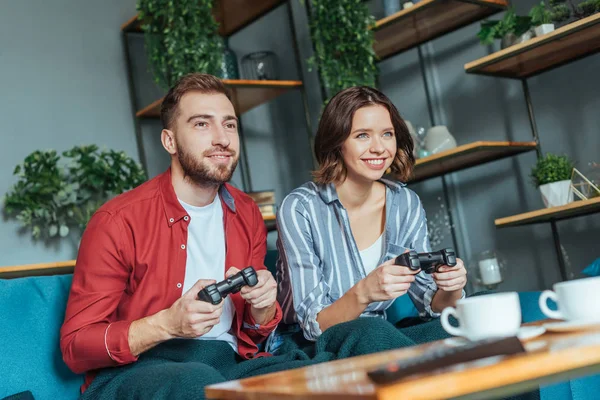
(428, 262)
(218, 291)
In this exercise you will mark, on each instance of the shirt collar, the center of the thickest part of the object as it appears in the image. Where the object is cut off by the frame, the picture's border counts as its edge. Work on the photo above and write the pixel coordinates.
(329, 194)
(174, 211)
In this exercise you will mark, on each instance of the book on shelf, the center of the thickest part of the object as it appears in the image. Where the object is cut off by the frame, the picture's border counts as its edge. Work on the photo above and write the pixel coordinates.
(265, 201)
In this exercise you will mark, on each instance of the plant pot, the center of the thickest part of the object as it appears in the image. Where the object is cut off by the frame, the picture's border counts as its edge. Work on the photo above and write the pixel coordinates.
(511, 39)
(543, 29)
(557, 193)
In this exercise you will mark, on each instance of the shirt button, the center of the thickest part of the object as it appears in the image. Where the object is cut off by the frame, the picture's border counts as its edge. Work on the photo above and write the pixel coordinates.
(183, 247)
(171, 220)
(186, 218)
(179, 285)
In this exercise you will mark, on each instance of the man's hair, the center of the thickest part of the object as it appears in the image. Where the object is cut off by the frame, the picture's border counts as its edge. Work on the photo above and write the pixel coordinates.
(196, 82)
(336, 125)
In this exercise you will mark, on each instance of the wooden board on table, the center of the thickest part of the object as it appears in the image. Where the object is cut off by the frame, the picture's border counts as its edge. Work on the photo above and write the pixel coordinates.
(552, 357)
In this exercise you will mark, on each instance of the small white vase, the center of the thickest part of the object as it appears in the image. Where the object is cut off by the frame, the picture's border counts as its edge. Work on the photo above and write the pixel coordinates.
(543, 29)
(438, 139)
(557, 193)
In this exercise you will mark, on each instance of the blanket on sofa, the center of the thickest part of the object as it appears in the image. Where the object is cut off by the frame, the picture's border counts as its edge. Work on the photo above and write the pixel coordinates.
(182, 368)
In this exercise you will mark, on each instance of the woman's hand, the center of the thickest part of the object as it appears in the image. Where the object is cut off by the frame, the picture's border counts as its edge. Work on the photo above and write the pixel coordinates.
(451, 279)
(386, 282)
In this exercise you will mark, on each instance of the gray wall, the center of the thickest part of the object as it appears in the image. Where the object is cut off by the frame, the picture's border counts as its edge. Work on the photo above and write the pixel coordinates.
(62, 83)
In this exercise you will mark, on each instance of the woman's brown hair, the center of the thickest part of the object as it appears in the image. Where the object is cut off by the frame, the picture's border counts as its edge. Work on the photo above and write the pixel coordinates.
(335, 127)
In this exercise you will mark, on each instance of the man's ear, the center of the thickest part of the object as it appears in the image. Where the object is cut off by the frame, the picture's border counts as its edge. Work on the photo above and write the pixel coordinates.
(167, 139)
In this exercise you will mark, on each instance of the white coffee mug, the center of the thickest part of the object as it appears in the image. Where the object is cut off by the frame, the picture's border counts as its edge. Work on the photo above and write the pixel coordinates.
(483, 317)
(578, 300)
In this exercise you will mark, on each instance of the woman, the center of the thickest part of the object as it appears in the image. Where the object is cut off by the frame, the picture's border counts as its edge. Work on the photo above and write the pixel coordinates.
(338, 236)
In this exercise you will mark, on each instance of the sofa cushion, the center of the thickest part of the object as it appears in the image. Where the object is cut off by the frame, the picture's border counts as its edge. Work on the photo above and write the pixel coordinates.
(32, 313)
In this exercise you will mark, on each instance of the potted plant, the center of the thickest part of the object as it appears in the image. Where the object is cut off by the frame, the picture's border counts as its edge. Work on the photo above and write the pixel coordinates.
(180, 37)
(552, 175)
(561, 13)
(56, 196)
(588, 7)
(343, 42)
(511, 29)
(541, 19)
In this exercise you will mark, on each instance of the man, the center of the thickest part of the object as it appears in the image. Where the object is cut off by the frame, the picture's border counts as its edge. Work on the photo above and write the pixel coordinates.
(146, 254)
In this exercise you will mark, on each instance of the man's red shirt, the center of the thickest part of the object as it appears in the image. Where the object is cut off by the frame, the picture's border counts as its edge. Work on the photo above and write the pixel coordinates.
(131, 264)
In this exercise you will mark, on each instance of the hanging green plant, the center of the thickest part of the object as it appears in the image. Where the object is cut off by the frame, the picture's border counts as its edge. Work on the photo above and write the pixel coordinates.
(53, 196)
(181, 37)
(343, 42)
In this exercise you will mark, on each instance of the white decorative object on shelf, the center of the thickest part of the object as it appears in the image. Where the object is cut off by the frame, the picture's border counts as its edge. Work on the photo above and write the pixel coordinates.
(438, 139)
(407, 4)
(543, 29)
(583, 187)
(391, 7)
(557, 193)
(488, 269)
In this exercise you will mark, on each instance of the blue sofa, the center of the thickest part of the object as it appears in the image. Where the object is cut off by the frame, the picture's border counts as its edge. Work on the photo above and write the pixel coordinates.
(32, 311)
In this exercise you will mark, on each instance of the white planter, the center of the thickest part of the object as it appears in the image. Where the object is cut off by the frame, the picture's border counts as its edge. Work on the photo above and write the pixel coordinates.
(543, 29)
(557, 193)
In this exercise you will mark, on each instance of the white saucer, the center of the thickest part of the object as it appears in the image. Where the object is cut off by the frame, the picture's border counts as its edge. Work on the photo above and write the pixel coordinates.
(524, 333)
(529, 332)
(569, 326)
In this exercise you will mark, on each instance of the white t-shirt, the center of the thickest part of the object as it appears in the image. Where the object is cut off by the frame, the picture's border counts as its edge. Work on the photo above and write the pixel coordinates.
(206, 260)
(372, 254)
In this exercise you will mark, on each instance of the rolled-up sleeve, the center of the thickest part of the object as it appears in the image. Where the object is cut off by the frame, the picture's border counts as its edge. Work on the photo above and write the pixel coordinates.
(303, 290)
(91, 337)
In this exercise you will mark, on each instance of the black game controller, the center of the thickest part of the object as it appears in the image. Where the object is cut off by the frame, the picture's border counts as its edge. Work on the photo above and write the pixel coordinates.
(218, 291)
(428, 262)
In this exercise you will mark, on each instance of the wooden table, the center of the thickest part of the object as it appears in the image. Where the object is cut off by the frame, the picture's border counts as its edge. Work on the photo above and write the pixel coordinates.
(552, 357)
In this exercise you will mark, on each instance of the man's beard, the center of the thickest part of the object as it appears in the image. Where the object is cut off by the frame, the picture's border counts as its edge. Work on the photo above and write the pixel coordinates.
(202, 174)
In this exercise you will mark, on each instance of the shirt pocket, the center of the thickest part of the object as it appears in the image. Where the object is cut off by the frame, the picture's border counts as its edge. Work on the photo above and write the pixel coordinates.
(393, 250)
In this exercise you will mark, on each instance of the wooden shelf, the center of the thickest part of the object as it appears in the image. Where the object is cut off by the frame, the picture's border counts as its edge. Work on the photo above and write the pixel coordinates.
(466, 156)
(571, 210)
(53, 268)
(428, 20)
(566, 44)
(246, 94)
(232, 15)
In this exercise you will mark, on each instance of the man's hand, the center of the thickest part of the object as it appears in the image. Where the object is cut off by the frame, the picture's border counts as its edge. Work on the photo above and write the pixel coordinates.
(262, 296)
(190, 317)
(386, 282)
(451, 279)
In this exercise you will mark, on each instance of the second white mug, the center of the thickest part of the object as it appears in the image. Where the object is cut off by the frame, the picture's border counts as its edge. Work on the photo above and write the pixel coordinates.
(578, 300)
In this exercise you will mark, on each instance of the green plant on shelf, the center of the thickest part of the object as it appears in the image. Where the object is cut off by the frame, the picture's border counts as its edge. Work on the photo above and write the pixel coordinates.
(343, 43)
(511, 23)
(551, 168)
(180, 37)
(55, 194)
(588, 7)
(560, 11)
(540, 14)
